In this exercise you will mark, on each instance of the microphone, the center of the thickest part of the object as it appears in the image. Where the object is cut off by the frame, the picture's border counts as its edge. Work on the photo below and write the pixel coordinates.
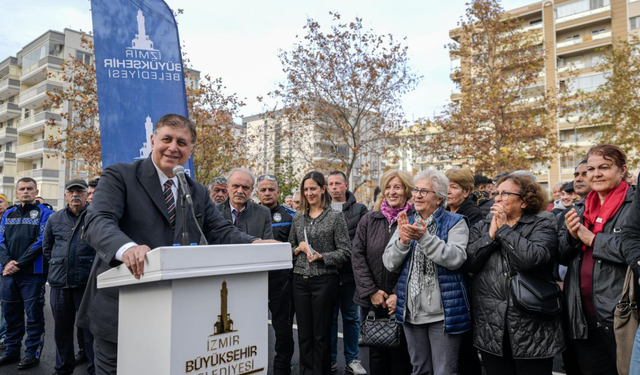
(178, 171)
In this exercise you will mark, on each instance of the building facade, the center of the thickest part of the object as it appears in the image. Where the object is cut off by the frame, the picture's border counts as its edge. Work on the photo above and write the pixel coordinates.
(24, 82)
(572, 34)
(273, 143)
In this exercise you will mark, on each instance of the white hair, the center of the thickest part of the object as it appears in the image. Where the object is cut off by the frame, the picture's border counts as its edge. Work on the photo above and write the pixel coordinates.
(439, 183)
(243, 170)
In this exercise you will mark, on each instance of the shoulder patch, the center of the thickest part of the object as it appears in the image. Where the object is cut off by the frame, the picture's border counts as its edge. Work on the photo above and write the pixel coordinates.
(33, 214)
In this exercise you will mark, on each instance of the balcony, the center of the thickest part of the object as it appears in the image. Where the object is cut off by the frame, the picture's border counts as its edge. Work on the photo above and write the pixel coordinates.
(584, 39)
(36, 123)
(579, 65)
(7, 157)
(37, 72)
(33, 97)
(8, 134)
(586, 13)
(9, 86)
(9, 111)
(39, 173)
(33, 150)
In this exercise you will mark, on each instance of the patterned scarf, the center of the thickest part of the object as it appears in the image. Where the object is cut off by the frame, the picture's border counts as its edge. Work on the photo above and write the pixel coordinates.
(392, 213)
(423, 270)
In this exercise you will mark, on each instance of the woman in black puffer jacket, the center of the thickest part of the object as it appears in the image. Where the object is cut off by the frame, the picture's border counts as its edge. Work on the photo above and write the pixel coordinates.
(510, 341)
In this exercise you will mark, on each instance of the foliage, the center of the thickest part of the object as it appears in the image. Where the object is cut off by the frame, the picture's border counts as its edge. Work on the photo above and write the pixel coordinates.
(80, 138)
(342, 95)
(288, 183)
(219, 146)
(504, 117)
(615, 105)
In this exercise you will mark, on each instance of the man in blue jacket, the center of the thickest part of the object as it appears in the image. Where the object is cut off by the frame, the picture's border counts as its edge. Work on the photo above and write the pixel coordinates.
(23, 275)
(70, 259)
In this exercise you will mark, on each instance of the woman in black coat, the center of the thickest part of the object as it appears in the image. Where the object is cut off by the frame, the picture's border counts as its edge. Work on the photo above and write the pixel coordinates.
(514, 239)
(590, 246)
(458, 195)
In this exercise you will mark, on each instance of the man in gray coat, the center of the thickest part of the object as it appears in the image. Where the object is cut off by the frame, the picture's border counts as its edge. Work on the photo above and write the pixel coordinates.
(249, 217)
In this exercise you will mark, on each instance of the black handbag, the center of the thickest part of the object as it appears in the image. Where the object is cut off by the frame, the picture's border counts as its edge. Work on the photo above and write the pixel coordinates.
(533, 295)
(380, 332)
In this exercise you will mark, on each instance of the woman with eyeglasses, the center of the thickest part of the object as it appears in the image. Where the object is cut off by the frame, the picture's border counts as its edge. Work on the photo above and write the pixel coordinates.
(427, 249)
(590, 246)
(513, 240)
(320, 243)
(375, 286)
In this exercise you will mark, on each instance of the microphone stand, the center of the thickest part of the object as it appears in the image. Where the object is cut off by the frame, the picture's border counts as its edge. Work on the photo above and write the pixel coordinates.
(183, 207)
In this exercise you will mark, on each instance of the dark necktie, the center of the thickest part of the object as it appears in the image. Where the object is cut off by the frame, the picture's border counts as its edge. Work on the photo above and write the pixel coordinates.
(236, 213)
(171, 203)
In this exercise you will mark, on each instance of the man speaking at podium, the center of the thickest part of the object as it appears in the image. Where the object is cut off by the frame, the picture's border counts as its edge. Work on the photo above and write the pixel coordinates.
(136, 208)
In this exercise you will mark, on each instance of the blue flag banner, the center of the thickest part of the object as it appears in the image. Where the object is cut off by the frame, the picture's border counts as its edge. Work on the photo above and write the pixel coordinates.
(139, 72)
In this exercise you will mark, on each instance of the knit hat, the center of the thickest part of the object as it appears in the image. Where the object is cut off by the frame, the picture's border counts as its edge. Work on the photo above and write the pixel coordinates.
(4, 198)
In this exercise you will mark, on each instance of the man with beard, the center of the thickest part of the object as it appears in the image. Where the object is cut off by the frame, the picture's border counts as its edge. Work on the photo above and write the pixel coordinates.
(70, 259)
(249, 217)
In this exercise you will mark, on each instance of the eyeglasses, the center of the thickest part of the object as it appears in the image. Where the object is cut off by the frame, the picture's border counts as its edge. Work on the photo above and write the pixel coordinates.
(506, 194)
(268, 177)
(422, 192)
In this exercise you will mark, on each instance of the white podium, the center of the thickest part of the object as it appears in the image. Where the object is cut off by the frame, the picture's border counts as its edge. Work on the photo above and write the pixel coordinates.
(197, 309)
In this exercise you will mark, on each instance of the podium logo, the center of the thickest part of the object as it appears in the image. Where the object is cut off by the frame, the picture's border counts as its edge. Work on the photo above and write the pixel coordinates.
(226, 354)
(224, 323)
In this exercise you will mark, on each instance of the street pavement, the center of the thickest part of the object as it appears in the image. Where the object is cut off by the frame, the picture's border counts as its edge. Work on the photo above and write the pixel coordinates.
(48, 358)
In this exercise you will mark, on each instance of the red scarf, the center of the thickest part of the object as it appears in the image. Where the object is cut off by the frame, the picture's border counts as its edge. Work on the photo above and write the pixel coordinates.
(596, 215)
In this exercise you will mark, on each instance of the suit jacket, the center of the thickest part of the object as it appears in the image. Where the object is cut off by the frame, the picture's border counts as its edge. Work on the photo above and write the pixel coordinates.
(254, 220)
(129, 206)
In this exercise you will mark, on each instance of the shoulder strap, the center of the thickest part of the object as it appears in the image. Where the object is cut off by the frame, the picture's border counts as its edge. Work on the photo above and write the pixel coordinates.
(628, 292)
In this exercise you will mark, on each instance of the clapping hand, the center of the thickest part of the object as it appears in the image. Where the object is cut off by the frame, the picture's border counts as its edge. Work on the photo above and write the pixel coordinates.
(499, 219)
(576, 229)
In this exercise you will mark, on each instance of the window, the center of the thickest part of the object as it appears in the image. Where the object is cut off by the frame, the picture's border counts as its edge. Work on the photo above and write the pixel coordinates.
(598, 31)
(49, 48)
(84, 58)
(579, 6)
(27, 113)
(573, 37)
(634, 22)
(535, 22)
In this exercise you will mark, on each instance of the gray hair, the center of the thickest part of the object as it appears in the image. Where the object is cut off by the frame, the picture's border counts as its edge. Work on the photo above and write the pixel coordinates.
(296, 193)
(526, 174)
(217, 180)
(439, 183)
(289, 196)
(243, 170)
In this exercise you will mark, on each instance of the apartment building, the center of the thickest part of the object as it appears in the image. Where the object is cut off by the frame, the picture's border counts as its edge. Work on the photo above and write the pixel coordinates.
(571, 32)
(270, 139)
(24, 82)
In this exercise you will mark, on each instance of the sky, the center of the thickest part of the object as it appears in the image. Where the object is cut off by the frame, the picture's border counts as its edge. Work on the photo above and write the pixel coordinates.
(239, 41)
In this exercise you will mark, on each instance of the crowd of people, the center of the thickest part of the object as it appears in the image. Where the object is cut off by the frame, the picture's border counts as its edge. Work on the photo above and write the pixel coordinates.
(476, 272)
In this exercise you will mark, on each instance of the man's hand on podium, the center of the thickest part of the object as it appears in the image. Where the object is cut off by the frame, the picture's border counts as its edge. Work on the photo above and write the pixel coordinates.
(266, 241)
(133, 258)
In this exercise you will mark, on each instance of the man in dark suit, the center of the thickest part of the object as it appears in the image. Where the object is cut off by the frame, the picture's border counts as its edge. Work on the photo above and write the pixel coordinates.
(249, 217)
(134, 210)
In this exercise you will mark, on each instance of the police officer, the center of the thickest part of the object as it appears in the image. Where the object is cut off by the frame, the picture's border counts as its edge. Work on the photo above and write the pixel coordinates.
(280, 287)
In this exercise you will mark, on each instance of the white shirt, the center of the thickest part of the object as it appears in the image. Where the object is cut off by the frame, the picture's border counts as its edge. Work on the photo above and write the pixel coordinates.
(233, 217)
(174, 189)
